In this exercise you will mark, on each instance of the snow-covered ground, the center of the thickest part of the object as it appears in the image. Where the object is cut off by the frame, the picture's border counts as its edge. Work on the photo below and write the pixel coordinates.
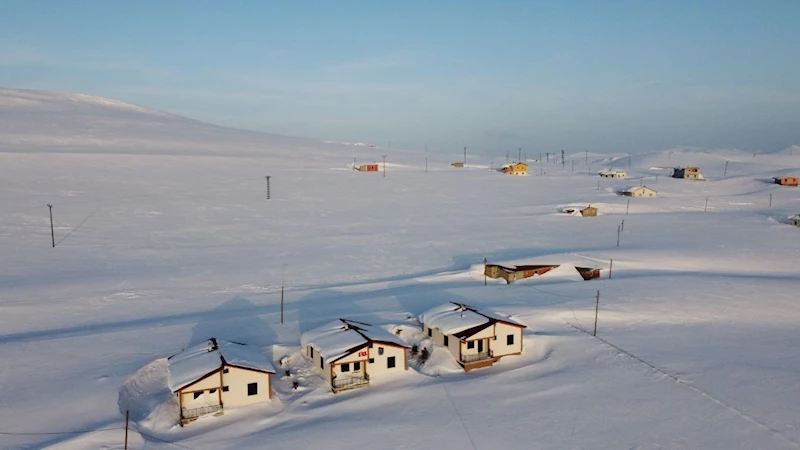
(164, 238)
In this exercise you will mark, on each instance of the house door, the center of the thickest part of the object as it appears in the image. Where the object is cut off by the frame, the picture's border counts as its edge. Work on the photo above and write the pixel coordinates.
(480, 346)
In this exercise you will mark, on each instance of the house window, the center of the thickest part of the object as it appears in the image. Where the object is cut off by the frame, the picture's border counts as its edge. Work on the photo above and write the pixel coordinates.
(446, 341)
(430, 332)
(321, 363)
(212, 391)
(252, 389)
(197, 394)
(356, 366)
(225, 389)
(390, 362)
(510, 339)
(471, 345)
(372, 360)
(345, 367)
(311, 352)
(225, 370)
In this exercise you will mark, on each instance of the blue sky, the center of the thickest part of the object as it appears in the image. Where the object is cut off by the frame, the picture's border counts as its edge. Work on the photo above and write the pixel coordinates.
(575, 75)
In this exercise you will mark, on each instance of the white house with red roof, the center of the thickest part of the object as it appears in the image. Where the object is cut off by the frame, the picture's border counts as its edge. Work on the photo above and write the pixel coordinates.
(476, 337)
(350, 353)
(218, 373)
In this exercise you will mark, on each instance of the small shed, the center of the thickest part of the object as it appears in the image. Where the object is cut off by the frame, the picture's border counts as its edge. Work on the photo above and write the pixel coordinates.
(687, 173)
(217, 373)
(612, 173)
(589, 211)
(639, 191)
(368, 168)
(786, 181)
(518, 168)
(457, 164)
(795, 220)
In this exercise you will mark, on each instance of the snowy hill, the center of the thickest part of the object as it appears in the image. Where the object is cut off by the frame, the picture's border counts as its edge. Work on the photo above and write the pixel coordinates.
(164, 239)
(65, 122)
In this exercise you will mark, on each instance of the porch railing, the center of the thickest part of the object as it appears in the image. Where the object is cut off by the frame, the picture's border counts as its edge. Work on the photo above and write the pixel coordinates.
(483, 356)
(197, 412)
(350, 381)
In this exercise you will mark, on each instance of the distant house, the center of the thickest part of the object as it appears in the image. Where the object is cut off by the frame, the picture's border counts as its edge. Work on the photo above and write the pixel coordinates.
(639, 191)
(589, 211)
(786, 181)
(512, 274)
(687, 173)
(218, 373)
(518, 168)
(350, 353)
(457, 164)
(611, 173)
(795, 220)
(475, 337)
(368, 168)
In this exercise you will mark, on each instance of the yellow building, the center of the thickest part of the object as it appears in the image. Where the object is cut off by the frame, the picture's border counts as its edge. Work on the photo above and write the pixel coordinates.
(519, 168)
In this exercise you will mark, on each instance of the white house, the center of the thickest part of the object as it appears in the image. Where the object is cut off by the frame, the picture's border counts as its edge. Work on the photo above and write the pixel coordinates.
(639, 191)
(612, 173)
(350, 353)
(476, 337)
(218, 373)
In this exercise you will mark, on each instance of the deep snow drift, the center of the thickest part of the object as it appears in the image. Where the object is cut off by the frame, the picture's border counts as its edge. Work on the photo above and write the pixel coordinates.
(165, 239)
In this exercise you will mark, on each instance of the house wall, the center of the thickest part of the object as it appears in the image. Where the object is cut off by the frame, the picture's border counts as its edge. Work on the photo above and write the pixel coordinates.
(337, 368)
(795, 222)
(209, 382)
(379, 365)
(499, 345)
(646, 192)
(237, 380)
(318, 361)
(465, 350)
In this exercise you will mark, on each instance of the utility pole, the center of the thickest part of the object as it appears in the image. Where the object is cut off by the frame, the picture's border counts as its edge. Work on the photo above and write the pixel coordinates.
(484, 271)
(610, 268)
(281, 304)
(623, 225)
(548, 157)
(465, 155)
(268, 194)
(127, 418)
(596, 310)
(53, 234)
(562, 159)
(384, 166)
(705, 208)
(619, 230)
(726, 168)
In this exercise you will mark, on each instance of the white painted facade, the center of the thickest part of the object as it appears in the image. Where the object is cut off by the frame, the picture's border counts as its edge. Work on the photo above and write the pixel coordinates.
(613, 173)
(233, 386)
(641, 191)
(374, 359)
(498, 339)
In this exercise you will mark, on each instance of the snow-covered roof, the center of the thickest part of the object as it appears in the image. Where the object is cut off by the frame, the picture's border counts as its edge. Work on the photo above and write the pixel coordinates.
(452, 318)
(339, 338)
(636, 188)
(505, 166)
(610, 171)
(202, 359)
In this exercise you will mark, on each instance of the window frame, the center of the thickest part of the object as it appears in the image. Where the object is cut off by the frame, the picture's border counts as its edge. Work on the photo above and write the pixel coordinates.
(510, 339)
(252, 389)
(344, 367)
(391, 362)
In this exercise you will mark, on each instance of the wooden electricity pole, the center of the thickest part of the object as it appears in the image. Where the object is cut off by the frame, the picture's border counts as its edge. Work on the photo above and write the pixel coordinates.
(127, 418)
(53, 234)
(705, 208)
(610, 268)
(281, 304)
(596, 310)
(384, 166)
(465, 155)
(619, 229)
(726, 168)
(268, 195)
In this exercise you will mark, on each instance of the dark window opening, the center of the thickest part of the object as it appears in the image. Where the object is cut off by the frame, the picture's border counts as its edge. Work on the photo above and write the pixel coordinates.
(345, 367)
(446, 341)
(197, 394)
(225, 370)
(252, 389)
(390, 362)
(372, 360)
(212, 391)
(510, 339)
(430, 332)
(356, 366)
(225, 388)
(471, 345)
